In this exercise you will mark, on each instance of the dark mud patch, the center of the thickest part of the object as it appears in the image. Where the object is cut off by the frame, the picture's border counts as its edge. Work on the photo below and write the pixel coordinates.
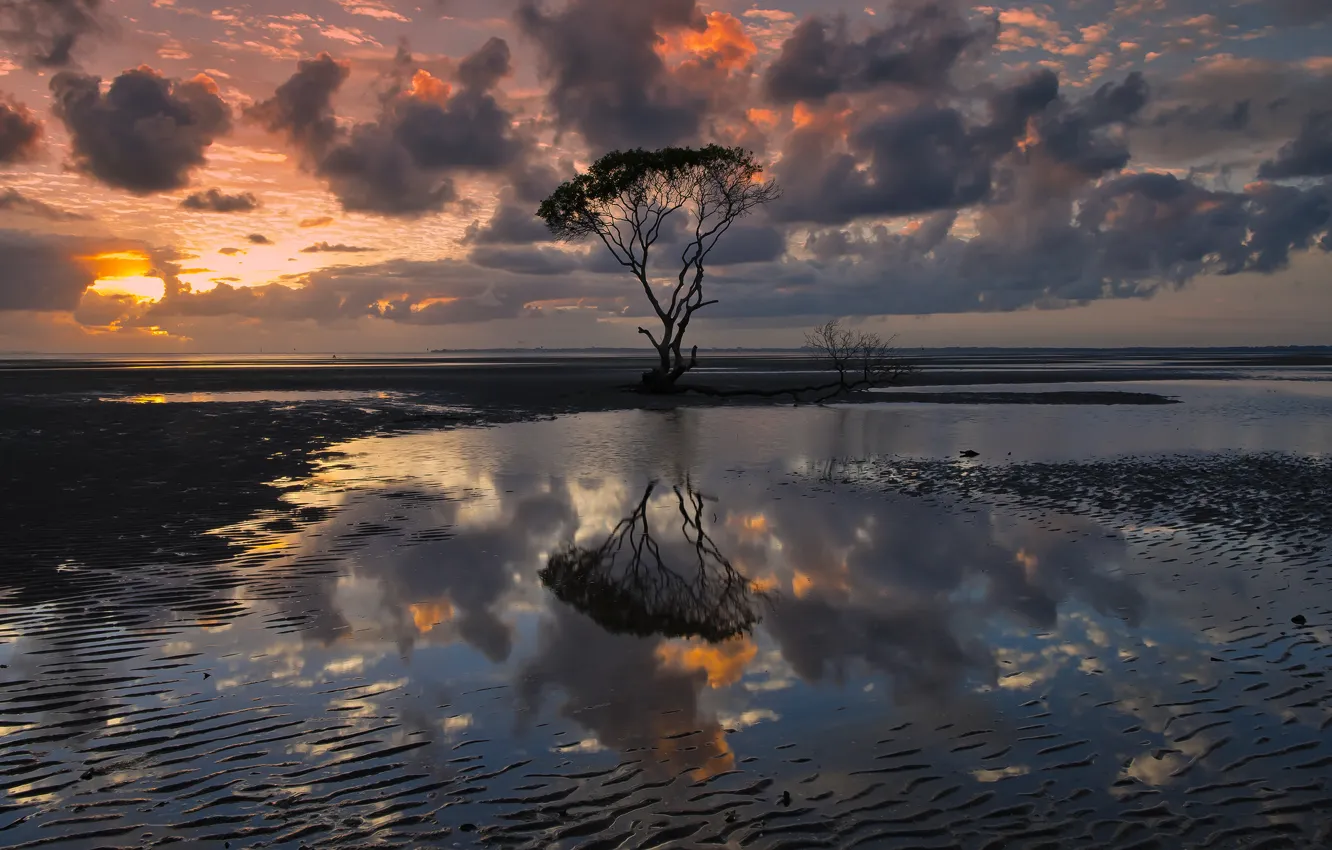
(1283, 495)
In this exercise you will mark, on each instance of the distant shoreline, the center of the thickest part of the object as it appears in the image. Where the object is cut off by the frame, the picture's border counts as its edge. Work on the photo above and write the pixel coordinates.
(1055, 352)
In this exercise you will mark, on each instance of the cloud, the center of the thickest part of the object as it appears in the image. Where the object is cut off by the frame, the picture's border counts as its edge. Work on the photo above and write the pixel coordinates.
(302, 107)
(317, 221)
(43, 272)
(933, 156)
(514, 220)
(623, 691)
(215, 200)
(607, 80)
(482, 70)
(907, 161)
(1073, 133)
(918, 46)
(439, 292)
(1228, 107)
(749, 243)
(326, 248)
(146, 133)
(11, 200)
(20, 131)
(470, 130)
(258, 239)
(526, 260)
(46, 32)
(1308, 155)
(97, 310)
(404, 162)
(1128, 236)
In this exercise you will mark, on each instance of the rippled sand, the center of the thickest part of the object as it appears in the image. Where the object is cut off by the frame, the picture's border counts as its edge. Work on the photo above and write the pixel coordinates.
(840, 632)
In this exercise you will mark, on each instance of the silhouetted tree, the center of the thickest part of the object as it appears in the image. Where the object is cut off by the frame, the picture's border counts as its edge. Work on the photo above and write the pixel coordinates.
(862, 359)
(627, 586)
(625, 199)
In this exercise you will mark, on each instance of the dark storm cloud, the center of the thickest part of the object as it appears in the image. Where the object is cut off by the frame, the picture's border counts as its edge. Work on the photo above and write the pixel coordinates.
(302, 107)
(904, 139)
(1126, 237)
(1073, 134)
(370, 171)
(1011, 108)
(12, 200)
(906, 161)
(42, 272)
(1157, 224)
(514, 220)
(45, 32)
(526, 260)
(20, 131)
(484, 69)
(471, 131)
(606, 78)
(146, 134)
(1308, 155)
(917, 46)
(215, 200)
(404, 162)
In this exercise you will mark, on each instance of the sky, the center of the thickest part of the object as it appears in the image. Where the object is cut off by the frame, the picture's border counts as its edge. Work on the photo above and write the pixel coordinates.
(363, 175)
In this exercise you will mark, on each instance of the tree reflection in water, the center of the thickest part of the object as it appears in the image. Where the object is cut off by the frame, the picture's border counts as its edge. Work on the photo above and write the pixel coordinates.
(634, 584)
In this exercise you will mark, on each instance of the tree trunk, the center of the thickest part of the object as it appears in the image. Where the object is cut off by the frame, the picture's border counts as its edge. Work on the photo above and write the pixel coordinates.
(673, 365)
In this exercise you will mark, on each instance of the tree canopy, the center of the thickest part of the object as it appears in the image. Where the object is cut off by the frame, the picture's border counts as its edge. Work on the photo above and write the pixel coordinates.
(625, 199)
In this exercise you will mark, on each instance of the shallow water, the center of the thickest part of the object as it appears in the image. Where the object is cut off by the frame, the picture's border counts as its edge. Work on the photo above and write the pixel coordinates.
(835, 633)
(1288, 415)
(238, 397)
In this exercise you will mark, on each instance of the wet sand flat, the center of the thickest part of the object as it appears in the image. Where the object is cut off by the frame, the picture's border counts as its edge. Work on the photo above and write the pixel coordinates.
(409, 616)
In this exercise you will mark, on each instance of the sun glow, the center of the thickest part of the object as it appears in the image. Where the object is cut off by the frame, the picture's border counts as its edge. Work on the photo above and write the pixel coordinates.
(125, 273)
(142, 287)
(113, 264)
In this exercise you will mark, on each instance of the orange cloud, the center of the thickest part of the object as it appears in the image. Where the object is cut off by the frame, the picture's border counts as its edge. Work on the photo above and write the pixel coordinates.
(427, 302)
(204, 81)
(764, 119)
(724, 662)
(428, 88)
(1030, 19)
(801, 584)
(722, 44)
(427, 615)
(826, 121)
(115, 264)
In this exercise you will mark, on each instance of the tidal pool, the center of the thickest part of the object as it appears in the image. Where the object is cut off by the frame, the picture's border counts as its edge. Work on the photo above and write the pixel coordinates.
(746, 627)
